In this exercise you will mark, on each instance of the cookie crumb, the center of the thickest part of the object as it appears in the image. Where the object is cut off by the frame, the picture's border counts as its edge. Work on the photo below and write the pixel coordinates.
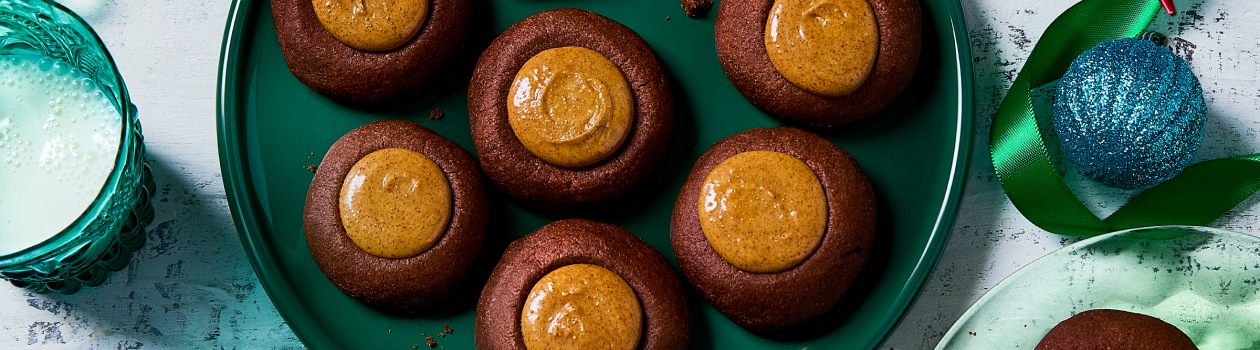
(972, 333)
(415, 346)
(436, 114)
(309, 155)
(311, 168)
(446, 329)
(666, 18)
(696, 8)
(432, 343)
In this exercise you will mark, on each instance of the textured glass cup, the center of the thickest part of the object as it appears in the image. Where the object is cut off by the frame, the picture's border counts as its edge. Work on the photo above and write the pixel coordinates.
(103, 237)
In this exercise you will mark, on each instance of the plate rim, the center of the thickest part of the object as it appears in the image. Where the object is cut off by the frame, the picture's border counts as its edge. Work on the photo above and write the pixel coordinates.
(964, 138)
(243, 202)
(241, 196)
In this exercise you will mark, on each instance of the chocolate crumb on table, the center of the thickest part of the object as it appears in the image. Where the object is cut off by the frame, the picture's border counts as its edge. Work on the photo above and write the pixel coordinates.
(431, 342)
(436, 114)
(696, 8)
(311, 168)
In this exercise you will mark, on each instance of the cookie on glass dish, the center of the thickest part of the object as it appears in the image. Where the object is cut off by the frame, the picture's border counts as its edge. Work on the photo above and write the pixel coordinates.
(1114, 329)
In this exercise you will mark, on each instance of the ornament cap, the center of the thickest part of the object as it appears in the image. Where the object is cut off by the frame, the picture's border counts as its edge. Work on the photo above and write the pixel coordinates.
(1169, 6)
(1154, 36)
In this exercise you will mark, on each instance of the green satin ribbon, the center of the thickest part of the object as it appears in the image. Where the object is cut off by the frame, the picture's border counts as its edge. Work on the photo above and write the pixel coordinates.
(1197, 196)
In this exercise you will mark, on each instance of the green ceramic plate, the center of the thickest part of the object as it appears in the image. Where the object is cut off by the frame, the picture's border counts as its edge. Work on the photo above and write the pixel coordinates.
(271, 128)
(1202, 280)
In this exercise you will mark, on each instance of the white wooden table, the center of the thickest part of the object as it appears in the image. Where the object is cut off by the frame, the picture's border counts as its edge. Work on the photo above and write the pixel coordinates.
(192, 287)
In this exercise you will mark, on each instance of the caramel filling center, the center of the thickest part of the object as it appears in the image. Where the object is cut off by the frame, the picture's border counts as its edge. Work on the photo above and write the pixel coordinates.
(826, 47)
(581, 306)
(372, 25)
(570, 106)
(763, 211)
(395, 203)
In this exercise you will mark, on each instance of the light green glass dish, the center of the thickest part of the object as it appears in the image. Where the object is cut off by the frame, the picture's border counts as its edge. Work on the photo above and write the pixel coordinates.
(102, 239)
(1205, 281)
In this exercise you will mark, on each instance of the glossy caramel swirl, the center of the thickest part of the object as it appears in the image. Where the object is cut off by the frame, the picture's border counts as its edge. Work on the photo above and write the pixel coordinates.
(763, 211)
(581, 306)
(395, 203)
(826, 47)
(372, 25)
(570, 106)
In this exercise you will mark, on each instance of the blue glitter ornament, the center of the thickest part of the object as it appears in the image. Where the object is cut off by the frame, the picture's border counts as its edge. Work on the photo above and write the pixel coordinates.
(1129, 113)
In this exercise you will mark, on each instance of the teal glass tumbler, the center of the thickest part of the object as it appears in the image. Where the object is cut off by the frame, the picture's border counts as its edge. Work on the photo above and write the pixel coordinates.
(101, 240)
